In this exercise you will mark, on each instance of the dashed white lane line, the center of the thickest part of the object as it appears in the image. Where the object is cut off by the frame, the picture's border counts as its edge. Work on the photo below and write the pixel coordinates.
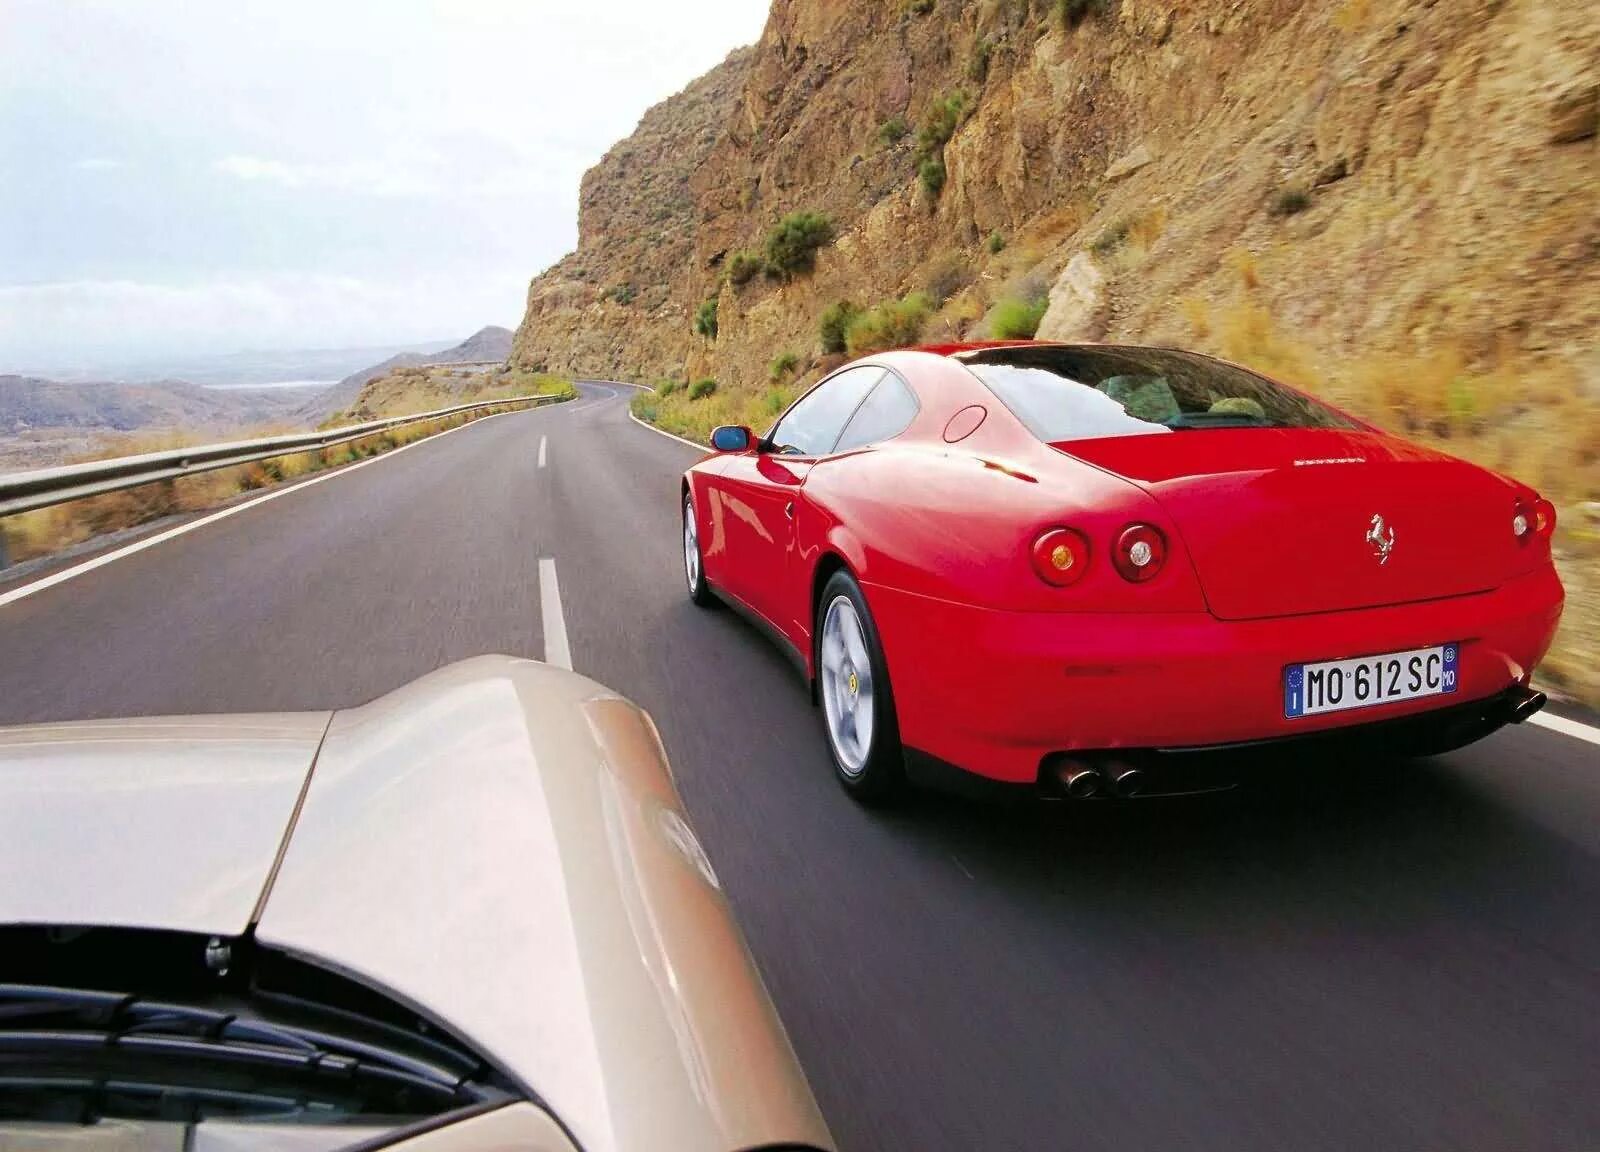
(162, 537)
(556, 650)
(1566, 727)
(542, 440)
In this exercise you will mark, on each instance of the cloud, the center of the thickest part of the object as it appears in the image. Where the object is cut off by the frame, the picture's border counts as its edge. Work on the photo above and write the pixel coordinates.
(361, 177)
(421, 175)
(97, 164)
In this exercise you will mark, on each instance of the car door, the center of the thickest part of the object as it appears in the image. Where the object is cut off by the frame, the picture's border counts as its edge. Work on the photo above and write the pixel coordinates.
(759, 490)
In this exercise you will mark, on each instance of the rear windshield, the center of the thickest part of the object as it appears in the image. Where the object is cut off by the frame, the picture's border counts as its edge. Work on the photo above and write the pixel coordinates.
(1072, 393)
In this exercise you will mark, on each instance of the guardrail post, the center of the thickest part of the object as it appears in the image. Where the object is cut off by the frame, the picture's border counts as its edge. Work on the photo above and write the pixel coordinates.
(5, 558)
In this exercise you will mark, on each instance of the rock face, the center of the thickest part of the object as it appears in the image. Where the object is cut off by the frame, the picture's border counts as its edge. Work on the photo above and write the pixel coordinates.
(1369, 175)
(622, 304)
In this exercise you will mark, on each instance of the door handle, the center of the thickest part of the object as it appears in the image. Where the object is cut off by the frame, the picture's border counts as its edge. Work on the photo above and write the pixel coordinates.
(788, 510)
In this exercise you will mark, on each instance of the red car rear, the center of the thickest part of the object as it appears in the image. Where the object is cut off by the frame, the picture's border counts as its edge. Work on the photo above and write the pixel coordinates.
(1075, 566)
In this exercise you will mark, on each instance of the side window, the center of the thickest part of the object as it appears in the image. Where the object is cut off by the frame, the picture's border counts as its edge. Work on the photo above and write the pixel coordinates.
(813, 425)
(886, 412)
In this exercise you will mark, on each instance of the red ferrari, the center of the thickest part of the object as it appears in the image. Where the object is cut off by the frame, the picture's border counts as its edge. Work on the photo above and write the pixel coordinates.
(1073, 567)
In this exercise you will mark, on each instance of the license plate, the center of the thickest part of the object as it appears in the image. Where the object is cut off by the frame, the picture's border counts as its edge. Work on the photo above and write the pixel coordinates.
(1339, 685)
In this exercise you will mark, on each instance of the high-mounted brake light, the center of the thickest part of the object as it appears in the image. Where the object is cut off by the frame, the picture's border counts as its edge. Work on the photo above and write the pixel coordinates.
(1140, 552)
(1061, 556)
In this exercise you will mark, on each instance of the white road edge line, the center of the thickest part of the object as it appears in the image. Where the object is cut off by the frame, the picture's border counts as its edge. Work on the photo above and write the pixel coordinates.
(556, 650)
(668, 435)
(105, 558)
(542, 440)
(1566, 727)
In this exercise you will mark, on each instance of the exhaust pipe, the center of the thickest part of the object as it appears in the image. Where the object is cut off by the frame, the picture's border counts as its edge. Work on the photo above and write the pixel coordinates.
(1125, 780)
(1077, 779)
(1527, 705)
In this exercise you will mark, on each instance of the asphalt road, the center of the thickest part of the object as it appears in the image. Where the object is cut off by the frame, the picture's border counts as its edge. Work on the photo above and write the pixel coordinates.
(1383, 956)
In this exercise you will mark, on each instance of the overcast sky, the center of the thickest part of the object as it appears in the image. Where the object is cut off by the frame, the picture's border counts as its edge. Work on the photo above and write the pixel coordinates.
(257, 174)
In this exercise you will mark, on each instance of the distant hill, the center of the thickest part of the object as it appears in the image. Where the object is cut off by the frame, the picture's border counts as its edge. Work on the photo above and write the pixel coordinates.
(27, 402)
(44, 422)
(490, 343)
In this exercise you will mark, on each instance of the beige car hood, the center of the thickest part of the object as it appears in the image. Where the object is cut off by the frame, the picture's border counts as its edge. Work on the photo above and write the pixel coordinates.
(170, 824)
(498, 844)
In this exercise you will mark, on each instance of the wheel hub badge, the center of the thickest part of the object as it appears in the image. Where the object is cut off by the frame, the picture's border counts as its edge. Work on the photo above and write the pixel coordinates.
(854, 683)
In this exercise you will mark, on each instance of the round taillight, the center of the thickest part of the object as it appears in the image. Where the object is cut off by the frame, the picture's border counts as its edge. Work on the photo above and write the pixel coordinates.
(1140, 552)
(1544, 517)
(1061, 556)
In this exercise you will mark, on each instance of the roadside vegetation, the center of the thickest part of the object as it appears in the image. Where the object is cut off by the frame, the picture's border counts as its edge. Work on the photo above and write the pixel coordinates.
(892, 324)
(47, 530)
(938, 126)
(1016, 318)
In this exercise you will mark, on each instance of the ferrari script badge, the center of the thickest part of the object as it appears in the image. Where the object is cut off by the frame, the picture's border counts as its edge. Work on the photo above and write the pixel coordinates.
(1381, 537)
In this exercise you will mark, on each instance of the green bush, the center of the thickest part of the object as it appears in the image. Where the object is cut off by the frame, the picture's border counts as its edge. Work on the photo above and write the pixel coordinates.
(892, 324)
(1289, 201)
(792, 243)
(941, 122)
(667, 387)
(700, 389)
(776, 400)
(997, 243)
(643, 405)
(1113, 237)
(978, 63)
(621, 293)
(705, 320)
(782, 365)
(893, 130)
(1075, 12)
(1017, 319)
(938, 126)
(743, 266)
(835, 325)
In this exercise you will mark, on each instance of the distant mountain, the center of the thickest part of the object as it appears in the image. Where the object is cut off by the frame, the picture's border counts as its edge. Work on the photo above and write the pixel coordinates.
(45, 422)
(490, 343)
(28, 402)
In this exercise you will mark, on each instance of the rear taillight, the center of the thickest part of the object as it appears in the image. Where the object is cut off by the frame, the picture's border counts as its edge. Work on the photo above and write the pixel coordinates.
(1061, 556)
(1139, 552)
(1544, 518)
(1530, 520)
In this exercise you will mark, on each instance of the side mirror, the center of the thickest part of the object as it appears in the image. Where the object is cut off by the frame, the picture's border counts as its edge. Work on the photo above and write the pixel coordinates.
(732, 438)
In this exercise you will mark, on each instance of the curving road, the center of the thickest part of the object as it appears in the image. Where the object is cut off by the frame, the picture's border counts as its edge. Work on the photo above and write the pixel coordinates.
(1386, 957)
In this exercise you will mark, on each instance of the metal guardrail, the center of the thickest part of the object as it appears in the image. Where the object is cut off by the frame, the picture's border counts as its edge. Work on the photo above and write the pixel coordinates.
(42, 487)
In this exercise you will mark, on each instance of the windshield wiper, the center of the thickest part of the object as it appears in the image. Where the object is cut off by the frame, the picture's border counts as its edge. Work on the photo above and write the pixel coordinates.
(42, 1022)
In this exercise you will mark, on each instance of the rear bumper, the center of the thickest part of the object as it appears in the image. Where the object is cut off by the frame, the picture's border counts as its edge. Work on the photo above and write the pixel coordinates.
(996, 692)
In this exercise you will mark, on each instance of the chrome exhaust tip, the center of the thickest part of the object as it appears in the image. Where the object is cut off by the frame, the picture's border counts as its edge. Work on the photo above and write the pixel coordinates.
(1529, 704)
(1125, 780)
(1078, 780)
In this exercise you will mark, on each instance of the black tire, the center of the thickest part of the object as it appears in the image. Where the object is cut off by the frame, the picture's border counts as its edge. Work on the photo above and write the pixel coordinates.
(878, 776)
(695, 574)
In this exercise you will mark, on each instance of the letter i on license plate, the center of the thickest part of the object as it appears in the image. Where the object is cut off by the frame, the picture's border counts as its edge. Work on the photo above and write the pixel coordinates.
(1339, 685)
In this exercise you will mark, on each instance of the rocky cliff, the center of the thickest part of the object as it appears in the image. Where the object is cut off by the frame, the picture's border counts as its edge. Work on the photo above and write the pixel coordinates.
(1368, 176)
